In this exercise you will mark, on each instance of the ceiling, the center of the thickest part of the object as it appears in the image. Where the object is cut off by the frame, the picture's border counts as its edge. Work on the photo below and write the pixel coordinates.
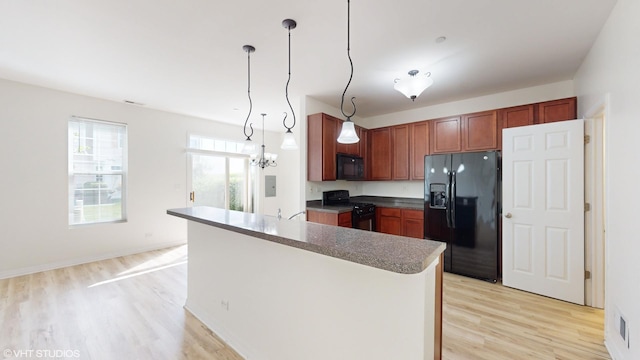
(186, 56)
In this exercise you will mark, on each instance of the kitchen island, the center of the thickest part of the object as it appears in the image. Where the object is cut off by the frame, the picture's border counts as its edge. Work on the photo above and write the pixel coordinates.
(286, 289)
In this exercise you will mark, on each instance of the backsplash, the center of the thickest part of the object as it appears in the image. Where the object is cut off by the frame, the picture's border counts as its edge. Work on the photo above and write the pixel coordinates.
(405, 189)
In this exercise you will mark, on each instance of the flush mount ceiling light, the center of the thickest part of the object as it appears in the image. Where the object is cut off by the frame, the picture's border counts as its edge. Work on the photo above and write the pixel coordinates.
(348, 133)
(249, 147)
(289, 141)
(413, 85)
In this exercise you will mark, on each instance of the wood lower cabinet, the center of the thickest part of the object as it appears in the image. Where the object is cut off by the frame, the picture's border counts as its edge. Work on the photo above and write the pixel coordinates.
(480, 131)
(413, 223)
(404, 222)
(419, 145)
(329, 218)
(445, 135)
(557, 110)
(389, 220)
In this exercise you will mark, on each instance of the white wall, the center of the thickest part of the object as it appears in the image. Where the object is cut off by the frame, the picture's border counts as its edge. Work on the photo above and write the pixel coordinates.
(33, 157)
(611, 68)
(415, 189)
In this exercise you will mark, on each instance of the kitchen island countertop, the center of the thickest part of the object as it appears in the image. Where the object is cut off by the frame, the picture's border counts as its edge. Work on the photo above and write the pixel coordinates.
(388, 252)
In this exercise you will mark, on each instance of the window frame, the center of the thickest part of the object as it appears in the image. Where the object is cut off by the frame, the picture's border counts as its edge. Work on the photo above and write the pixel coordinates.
(250, 187)
(123, 144)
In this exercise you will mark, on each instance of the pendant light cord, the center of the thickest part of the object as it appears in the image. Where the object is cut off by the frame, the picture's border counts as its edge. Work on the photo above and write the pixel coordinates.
(286, 91)
(351, 63)
(248, 50)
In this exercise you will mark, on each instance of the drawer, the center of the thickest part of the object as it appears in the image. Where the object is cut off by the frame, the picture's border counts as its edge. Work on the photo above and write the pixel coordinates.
(393, 212)
(412, 214)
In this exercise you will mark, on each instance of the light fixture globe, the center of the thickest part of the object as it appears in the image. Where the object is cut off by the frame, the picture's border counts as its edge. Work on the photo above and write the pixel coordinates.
(413, 85)
(348, 133)
(289, 141)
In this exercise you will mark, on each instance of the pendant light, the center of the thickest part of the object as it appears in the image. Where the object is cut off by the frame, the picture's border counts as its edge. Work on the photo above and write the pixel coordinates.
(289, 141)
(249, 147)
(348, 133)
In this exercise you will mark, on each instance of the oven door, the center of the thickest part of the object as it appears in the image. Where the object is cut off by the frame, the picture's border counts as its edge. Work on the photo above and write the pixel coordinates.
(364, 221)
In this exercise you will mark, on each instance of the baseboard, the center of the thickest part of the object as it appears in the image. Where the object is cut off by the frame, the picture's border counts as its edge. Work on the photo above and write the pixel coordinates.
(228, 337)
(613, 351)
(72, 262)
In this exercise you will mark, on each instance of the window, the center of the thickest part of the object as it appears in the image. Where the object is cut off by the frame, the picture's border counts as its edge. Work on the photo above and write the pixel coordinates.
(97, 171)
(220, 175)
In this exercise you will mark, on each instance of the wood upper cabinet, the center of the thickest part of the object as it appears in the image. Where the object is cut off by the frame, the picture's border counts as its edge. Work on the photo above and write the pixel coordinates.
(380, 153)
(557, 110)
(514, 117)
(445, 135)
(419, 145)
(321, 147)
(480, 131)
(400, 152)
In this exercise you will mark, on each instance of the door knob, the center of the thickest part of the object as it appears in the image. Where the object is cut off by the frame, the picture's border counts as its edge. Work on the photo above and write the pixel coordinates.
(508, 216)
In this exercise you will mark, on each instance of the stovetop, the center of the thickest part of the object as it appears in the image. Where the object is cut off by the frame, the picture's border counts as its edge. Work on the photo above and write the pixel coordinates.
(341, 197)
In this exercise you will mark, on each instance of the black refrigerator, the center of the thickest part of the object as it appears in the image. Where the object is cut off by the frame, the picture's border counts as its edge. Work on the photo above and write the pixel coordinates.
(461, 208)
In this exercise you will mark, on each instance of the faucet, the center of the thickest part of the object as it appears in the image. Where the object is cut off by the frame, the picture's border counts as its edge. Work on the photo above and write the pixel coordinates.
(296, 214)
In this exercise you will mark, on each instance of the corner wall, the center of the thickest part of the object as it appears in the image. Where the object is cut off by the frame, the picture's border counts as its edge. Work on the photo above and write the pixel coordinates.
(35, 235)
(611, 69)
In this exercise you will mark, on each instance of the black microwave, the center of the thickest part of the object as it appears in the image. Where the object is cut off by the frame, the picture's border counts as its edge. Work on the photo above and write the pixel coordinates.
(349, 167)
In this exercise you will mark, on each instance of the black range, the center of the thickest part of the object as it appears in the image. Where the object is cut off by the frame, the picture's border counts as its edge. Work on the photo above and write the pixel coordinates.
(363, 215)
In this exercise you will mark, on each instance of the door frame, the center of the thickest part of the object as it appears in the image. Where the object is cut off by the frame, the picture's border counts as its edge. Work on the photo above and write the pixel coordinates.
(596, 194)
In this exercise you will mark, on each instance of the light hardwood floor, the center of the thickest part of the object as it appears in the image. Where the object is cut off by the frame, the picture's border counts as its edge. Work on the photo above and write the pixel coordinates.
(132, 308)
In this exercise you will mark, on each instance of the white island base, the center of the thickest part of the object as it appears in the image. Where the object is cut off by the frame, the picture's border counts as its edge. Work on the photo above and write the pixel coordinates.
(277, 302)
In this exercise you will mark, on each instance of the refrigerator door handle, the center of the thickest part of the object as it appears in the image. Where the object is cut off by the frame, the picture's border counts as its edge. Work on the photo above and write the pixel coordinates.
(448, 200)
(453, 200)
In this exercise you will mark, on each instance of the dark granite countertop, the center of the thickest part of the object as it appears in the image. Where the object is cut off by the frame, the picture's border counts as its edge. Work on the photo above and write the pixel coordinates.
(388, 252)
(382, 201)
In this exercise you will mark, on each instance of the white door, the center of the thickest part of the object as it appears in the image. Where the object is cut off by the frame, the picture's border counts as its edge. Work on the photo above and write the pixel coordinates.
(543, 209)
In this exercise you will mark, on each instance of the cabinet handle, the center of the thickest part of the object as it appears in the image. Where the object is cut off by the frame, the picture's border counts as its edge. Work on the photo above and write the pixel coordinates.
(508, 216)
(192, 196)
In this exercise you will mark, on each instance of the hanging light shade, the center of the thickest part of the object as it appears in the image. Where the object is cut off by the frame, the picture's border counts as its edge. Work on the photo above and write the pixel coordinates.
(413, 85)
(348, 133)
(249, 147)
(289, 141)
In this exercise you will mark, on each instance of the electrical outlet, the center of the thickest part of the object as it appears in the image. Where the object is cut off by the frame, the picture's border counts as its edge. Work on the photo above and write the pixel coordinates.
(224, 304)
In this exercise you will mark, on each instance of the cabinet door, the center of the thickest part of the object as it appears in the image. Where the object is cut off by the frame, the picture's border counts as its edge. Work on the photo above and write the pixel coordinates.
(388, 221)
(445, 135)
(380, 153)
(400, 152)
(413, 223)
(557, 110)
(514, 117)
(480, 131)
(344, 219)
(321, 147)
(419, 145)
(322, 217)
